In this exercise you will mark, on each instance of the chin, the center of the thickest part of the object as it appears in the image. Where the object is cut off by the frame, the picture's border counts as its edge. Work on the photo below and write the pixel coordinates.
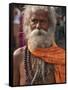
(39, 39)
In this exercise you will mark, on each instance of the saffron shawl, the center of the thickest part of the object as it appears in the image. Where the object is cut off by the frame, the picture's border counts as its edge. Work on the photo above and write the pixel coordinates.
(56, 56)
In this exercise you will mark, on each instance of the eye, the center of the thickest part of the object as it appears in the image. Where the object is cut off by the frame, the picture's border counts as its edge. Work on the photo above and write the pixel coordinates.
(44, 21)
(34, 20)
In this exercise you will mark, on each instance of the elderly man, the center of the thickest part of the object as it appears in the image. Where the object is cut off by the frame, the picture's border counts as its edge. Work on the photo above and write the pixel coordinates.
(29, 68)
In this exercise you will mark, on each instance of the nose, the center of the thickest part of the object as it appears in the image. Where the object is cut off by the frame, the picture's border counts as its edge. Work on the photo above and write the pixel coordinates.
(38, 25)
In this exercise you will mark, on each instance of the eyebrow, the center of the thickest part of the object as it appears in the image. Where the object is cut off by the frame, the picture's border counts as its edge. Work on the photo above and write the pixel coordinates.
(41, 20)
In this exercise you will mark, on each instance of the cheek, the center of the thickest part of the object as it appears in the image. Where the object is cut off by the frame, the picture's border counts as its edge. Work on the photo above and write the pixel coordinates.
(32, 26)
(45, 26)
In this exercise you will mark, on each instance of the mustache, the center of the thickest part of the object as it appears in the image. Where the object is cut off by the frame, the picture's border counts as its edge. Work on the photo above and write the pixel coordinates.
(37, 32)
(39, 39)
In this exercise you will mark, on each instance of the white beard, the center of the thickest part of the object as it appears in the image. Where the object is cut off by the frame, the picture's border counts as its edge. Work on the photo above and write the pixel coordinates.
(39, 39)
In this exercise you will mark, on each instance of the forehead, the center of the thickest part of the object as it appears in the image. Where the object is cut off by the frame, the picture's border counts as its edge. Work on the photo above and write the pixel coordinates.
(39, 14)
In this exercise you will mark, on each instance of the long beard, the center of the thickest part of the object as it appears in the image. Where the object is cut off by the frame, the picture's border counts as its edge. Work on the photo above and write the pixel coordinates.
(39, 39)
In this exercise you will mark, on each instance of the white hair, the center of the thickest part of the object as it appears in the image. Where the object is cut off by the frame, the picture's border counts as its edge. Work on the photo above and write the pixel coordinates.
(27, 15)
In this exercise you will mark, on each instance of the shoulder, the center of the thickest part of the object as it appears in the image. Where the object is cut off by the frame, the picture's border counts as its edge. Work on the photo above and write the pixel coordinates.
(19, 51)
(18, 55)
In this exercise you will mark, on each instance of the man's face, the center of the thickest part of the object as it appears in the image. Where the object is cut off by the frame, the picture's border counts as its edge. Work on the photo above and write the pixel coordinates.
(39, 36)
(39, 20)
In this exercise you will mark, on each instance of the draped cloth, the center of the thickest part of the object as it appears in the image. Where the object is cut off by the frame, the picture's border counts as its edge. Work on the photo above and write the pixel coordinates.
(56, 56)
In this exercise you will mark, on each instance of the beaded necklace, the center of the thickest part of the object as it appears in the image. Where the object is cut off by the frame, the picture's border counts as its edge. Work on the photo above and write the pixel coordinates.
(33, 78)
(27, 64)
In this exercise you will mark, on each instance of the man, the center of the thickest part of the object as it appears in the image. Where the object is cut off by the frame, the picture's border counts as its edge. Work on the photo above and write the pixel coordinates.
(39, 26)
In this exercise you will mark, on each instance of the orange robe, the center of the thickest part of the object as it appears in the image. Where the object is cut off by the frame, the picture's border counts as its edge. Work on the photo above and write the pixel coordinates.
(54, 55)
